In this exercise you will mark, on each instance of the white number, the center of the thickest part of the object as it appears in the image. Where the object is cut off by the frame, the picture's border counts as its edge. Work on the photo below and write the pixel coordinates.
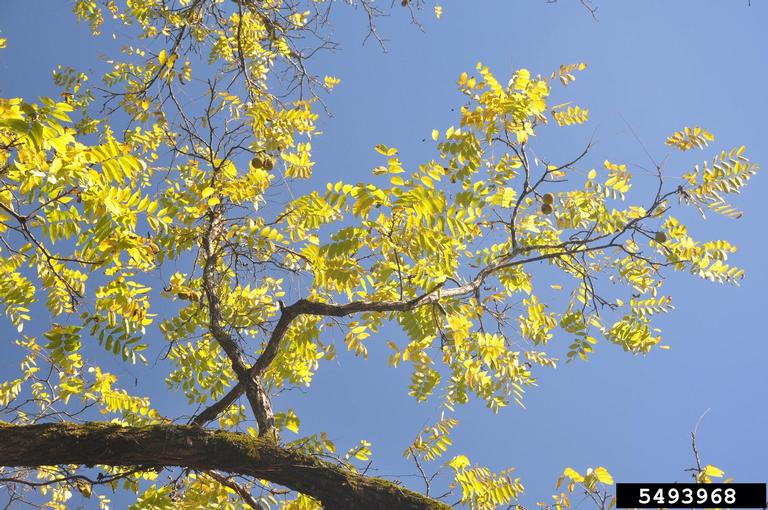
(687, 496)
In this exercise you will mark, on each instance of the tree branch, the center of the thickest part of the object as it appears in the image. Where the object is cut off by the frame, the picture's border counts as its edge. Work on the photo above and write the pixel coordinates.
(200, 449)
(249, 380)
(241, 491)
(306, 307)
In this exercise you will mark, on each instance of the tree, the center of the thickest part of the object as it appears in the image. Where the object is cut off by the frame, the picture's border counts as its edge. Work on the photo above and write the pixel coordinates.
(444, 251)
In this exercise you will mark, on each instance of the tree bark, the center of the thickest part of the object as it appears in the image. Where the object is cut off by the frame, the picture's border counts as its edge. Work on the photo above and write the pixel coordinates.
(202, 449)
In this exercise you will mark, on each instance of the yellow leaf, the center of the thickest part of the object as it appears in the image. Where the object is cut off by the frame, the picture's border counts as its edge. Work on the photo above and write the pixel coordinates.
(711, 470)
(438, 11)
(331, 81)
(384, 150)
(162, 57)
(84, 488)
(435, 134)
(213, 201)
(292, 422)
(459, 462)
(573, 475)
(603, 475)
(3, 42)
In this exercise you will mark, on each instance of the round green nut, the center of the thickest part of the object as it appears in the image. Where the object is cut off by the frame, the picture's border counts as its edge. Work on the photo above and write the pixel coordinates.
(263, 161)
(546, 208)
(548, 198)
(660, 237)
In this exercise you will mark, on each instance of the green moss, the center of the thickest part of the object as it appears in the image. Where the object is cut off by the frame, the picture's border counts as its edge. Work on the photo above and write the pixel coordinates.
(335, 486)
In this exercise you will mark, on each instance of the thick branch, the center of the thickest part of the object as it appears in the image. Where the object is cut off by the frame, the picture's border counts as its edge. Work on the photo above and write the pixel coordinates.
(250, 380)
(200, 449)
(306, 307)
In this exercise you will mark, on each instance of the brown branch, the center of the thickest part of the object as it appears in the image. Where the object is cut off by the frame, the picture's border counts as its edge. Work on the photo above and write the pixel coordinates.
(570, 248)
(102, 480)
(247, 379)
(307, 307)
(694, 446)
(241, 491)
(204, 450)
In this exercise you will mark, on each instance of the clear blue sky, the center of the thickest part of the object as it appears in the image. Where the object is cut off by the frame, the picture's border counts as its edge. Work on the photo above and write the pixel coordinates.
(653, 65)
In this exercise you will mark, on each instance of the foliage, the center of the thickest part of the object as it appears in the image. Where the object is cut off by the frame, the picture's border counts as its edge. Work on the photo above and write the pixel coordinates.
(446, 250)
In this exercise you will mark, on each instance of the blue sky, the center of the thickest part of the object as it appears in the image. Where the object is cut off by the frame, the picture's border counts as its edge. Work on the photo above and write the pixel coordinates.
(654, 67)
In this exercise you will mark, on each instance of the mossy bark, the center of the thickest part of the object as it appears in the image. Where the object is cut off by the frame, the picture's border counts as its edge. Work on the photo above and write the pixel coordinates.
(203, 449)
